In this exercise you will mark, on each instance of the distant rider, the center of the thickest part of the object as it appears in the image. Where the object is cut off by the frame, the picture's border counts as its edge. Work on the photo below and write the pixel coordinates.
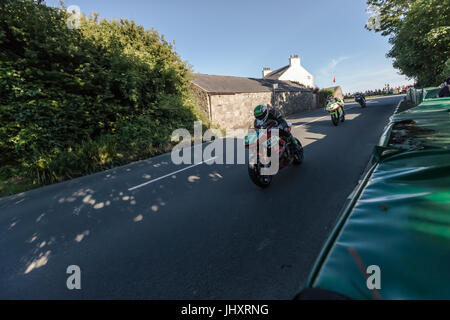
(359, 95)
(264, 116)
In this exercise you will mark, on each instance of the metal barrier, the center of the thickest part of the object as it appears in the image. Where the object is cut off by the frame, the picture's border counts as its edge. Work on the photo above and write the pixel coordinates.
(417, 96)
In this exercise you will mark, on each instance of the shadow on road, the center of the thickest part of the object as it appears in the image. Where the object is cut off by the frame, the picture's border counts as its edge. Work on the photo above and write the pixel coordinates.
(204, 233)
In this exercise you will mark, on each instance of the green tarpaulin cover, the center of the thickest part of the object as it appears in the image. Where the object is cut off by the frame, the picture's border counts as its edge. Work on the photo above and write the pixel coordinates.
(400, 218)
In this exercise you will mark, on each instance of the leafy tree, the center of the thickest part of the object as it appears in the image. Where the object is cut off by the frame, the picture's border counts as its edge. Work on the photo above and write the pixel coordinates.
(323, 96)
(75, 101)
(419, 32)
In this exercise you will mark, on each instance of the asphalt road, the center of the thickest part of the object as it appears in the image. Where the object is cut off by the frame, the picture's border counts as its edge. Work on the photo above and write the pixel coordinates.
(192, 232)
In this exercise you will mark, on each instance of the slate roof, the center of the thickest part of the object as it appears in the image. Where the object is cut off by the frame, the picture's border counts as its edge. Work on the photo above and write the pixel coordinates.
(228, 84)
(276, 74)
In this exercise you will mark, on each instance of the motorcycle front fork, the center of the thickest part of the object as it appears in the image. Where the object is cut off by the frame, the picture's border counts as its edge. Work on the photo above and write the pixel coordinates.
(337, 113)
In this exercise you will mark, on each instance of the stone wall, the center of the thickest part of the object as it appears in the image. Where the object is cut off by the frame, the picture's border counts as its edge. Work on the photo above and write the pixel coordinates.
(230, 111)
(202, 99)
(294, 102)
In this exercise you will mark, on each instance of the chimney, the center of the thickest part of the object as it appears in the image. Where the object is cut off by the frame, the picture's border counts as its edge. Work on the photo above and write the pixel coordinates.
(265, 72)
(294, 60)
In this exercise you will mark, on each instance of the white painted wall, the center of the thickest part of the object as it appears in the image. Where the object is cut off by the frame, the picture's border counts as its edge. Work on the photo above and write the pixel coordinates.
(297, 73)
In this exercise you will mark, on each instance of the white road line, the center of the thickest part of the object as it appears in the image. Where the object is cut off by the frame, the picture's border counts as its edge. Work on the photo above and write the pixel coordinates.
(300, 125)
(398, 107)
(352, 194)
(168, 175)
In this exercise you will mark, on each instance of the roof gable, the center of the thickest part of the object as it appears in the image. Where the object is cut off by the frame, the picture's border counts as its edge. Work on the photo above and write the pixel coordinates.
(229, 84)
(276, 74)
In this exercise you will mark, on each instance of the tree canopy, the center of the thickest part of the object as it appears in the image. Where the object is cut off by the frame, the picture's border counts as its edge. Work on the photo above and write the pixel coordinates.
(75, 101)
(419, 31)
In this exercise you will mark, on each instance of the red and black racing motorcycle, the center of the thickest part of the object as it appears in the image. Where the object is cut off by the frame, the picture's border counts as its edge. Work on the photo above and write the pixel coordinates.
(260, 142)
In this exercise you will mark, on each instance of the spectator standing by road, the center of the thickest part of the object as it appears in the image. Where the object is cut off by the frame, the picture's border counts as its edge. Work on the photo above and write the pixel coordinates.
(445, 91)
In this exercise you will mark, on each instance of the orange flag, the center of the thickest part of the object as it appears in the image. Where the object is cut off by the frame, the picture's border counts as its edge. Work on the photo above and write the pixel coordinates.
(334, 80)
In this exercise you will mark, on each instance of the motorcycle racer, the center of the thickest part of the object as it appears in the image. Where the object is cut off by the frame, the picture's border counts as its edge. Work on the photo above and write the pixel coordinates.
(264, 115)
(335, 107)
(361, 99)
(332, 99)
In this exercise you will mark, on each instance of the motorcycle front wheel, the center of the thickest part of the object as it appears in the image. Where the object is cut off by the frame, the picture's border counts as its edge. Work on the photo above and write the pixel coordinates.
(334, 119)
(256, 177)
(298, 153)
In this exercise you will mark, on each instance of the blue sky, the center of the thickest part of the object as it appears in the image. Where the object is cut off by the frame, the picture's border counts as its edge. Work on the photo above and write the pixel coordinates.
(239, 38)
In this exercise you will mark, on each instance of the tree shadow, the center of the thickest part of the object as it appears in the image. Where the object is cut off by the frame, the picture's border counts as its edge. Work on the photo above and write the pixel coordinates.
(177, 237)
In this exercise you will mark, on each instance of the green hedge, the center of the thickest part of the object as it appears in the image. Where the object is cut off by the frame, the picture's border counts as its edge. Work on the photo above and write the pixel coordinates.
(323, 95)
(77, 101)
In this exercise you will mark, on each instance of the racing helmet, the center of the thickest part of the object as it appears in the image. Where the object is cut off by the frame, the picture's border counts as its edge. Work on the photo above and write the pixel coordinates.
(261, 112)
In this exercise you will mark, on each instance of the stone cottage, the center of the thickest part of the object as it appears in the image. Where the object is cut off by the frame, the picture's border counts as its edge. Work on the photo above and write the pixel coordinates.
(229, 101)
(293, 72)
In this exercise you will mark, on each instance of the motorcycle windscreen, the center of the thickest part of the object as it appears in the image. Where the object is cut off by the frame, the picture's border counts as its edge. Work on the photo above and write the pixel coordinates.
(251, 138)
